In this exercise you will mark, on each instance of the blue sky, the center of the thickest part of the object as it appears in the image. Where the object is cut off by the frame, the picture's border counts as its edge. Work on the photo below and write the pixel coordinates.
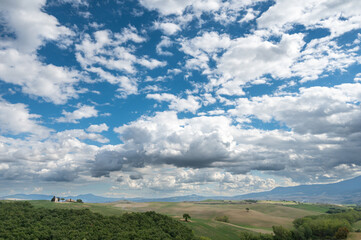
(163, 98)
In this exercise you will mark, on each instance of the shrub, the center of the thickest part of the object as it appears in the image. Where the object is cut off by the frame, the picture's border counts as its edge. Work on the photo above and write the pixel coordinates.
(222, 219)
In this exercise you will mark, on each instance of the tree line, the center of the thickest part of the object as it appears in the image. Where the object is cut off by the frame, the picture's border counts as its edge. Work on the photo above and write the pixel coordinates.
(320, 227)
(20, 220)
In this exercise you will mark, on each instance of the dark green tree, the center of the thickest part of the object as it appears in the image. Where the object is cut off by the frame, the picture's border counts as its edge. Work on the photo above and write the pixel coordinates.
(281, 233)
(341, 233)
(186, 216)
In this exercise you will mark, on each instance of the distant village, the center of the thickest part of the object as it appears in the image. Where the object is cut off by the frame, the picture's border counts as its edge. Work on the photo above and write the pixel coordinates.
(69, 200)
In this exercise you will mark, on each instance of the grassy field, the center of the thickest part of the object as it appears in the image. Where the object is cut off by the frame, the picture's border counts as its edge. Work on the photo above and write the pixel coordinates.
(357, 225)
(260, 217)
(354, 236)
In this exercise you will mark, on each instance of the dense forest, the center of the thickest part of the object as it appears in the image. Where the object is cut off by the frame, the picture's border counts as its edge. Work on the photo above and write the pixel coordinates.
(320, 227)
(20, 220)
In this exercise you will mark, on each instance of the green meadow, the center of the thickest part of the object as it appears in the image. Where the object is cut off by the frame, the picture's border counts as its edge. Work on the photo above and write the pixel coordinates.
(241, 215)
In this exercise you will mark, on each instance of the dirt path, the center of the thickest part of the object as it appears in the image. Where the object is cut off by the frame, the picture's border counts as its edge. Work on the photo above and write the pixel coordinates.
(250, 229)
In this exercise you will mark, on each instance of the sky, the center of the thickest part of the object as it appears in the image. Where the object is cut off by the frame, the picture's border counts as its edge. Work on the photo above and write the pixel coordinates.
(157, 98)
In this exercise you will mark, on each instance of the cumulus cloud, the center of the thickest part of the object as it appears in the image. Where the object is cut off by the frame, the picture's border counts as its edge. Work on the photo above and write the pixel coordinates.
(107, 55)
(166, 7)
(19, 64)
(203, 48)
(189, 104)
(336, 15)
(251, 57)
(271, 51)
(323, 110)
(51, 83)
(164, 43)
(16, 119)
(60, 157)
(83, 111)
(60, 175)
(223, 11)
(4, 166)
(167, 28)
(30, 24)
(311, 150)
(197, 142)
(321, 57)
(357, 77)
(246, 60)
(75, 3)
(98, 128)
(81, 134)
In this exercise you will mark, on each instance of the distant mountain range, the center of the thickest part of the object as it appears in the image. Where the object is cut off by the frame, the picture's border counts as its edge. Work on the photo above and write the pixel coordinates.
(345, 192)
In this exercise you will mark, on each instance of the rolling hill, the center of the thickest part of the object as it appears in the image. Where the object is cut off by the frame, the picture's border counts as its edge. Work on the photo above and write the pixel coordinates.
(345, 192)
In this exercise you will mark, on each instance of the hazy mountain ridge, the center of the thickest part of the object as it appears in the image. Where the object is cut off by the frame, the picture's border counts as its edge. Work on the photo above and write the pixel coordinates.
(346, 192)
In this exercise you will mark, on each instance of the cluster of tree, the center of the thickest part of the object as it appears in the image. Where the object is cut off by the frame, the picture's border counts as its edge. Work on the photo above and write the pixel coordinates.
(251, 201)
(20, 220)
(222, 219)
(333, 210)
(330, 226)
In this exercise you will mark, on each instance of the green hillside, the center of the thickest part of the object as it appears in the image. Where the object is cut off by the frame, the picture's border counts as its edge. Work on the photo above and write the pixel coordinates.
(260, 217)
(242, 216)
(20, 220)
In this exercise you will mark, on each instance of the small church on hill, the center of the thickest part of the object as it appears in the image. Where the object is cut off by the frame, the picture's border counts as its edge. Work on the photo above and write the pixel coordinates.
(55, 199)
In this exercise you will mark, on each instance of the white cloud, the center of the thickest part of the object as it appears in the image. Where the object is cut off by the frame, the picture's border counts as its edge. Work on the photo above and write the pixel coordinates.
(224, 12)
(357, 77)
(247, 60)
(167, 28)
(82, 135)
(4, 166)
(221, 9)
(52, 83)
(308, 152)
(19, 63)
(322, 56)
(208, 42)
(196, 142)
(61, 157)
(244, 60)
(38, 189)
(107, 55)
(98, 128)
(190, 104)
(83, 111)
(313, 14)
(164, 43)
(250, 58)
(30, 24)
(251, 15)
(166, 7)
(203, 48)
(323, 110)
(151, 63)
(201, 180)
(75, 3)
(16, 119)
